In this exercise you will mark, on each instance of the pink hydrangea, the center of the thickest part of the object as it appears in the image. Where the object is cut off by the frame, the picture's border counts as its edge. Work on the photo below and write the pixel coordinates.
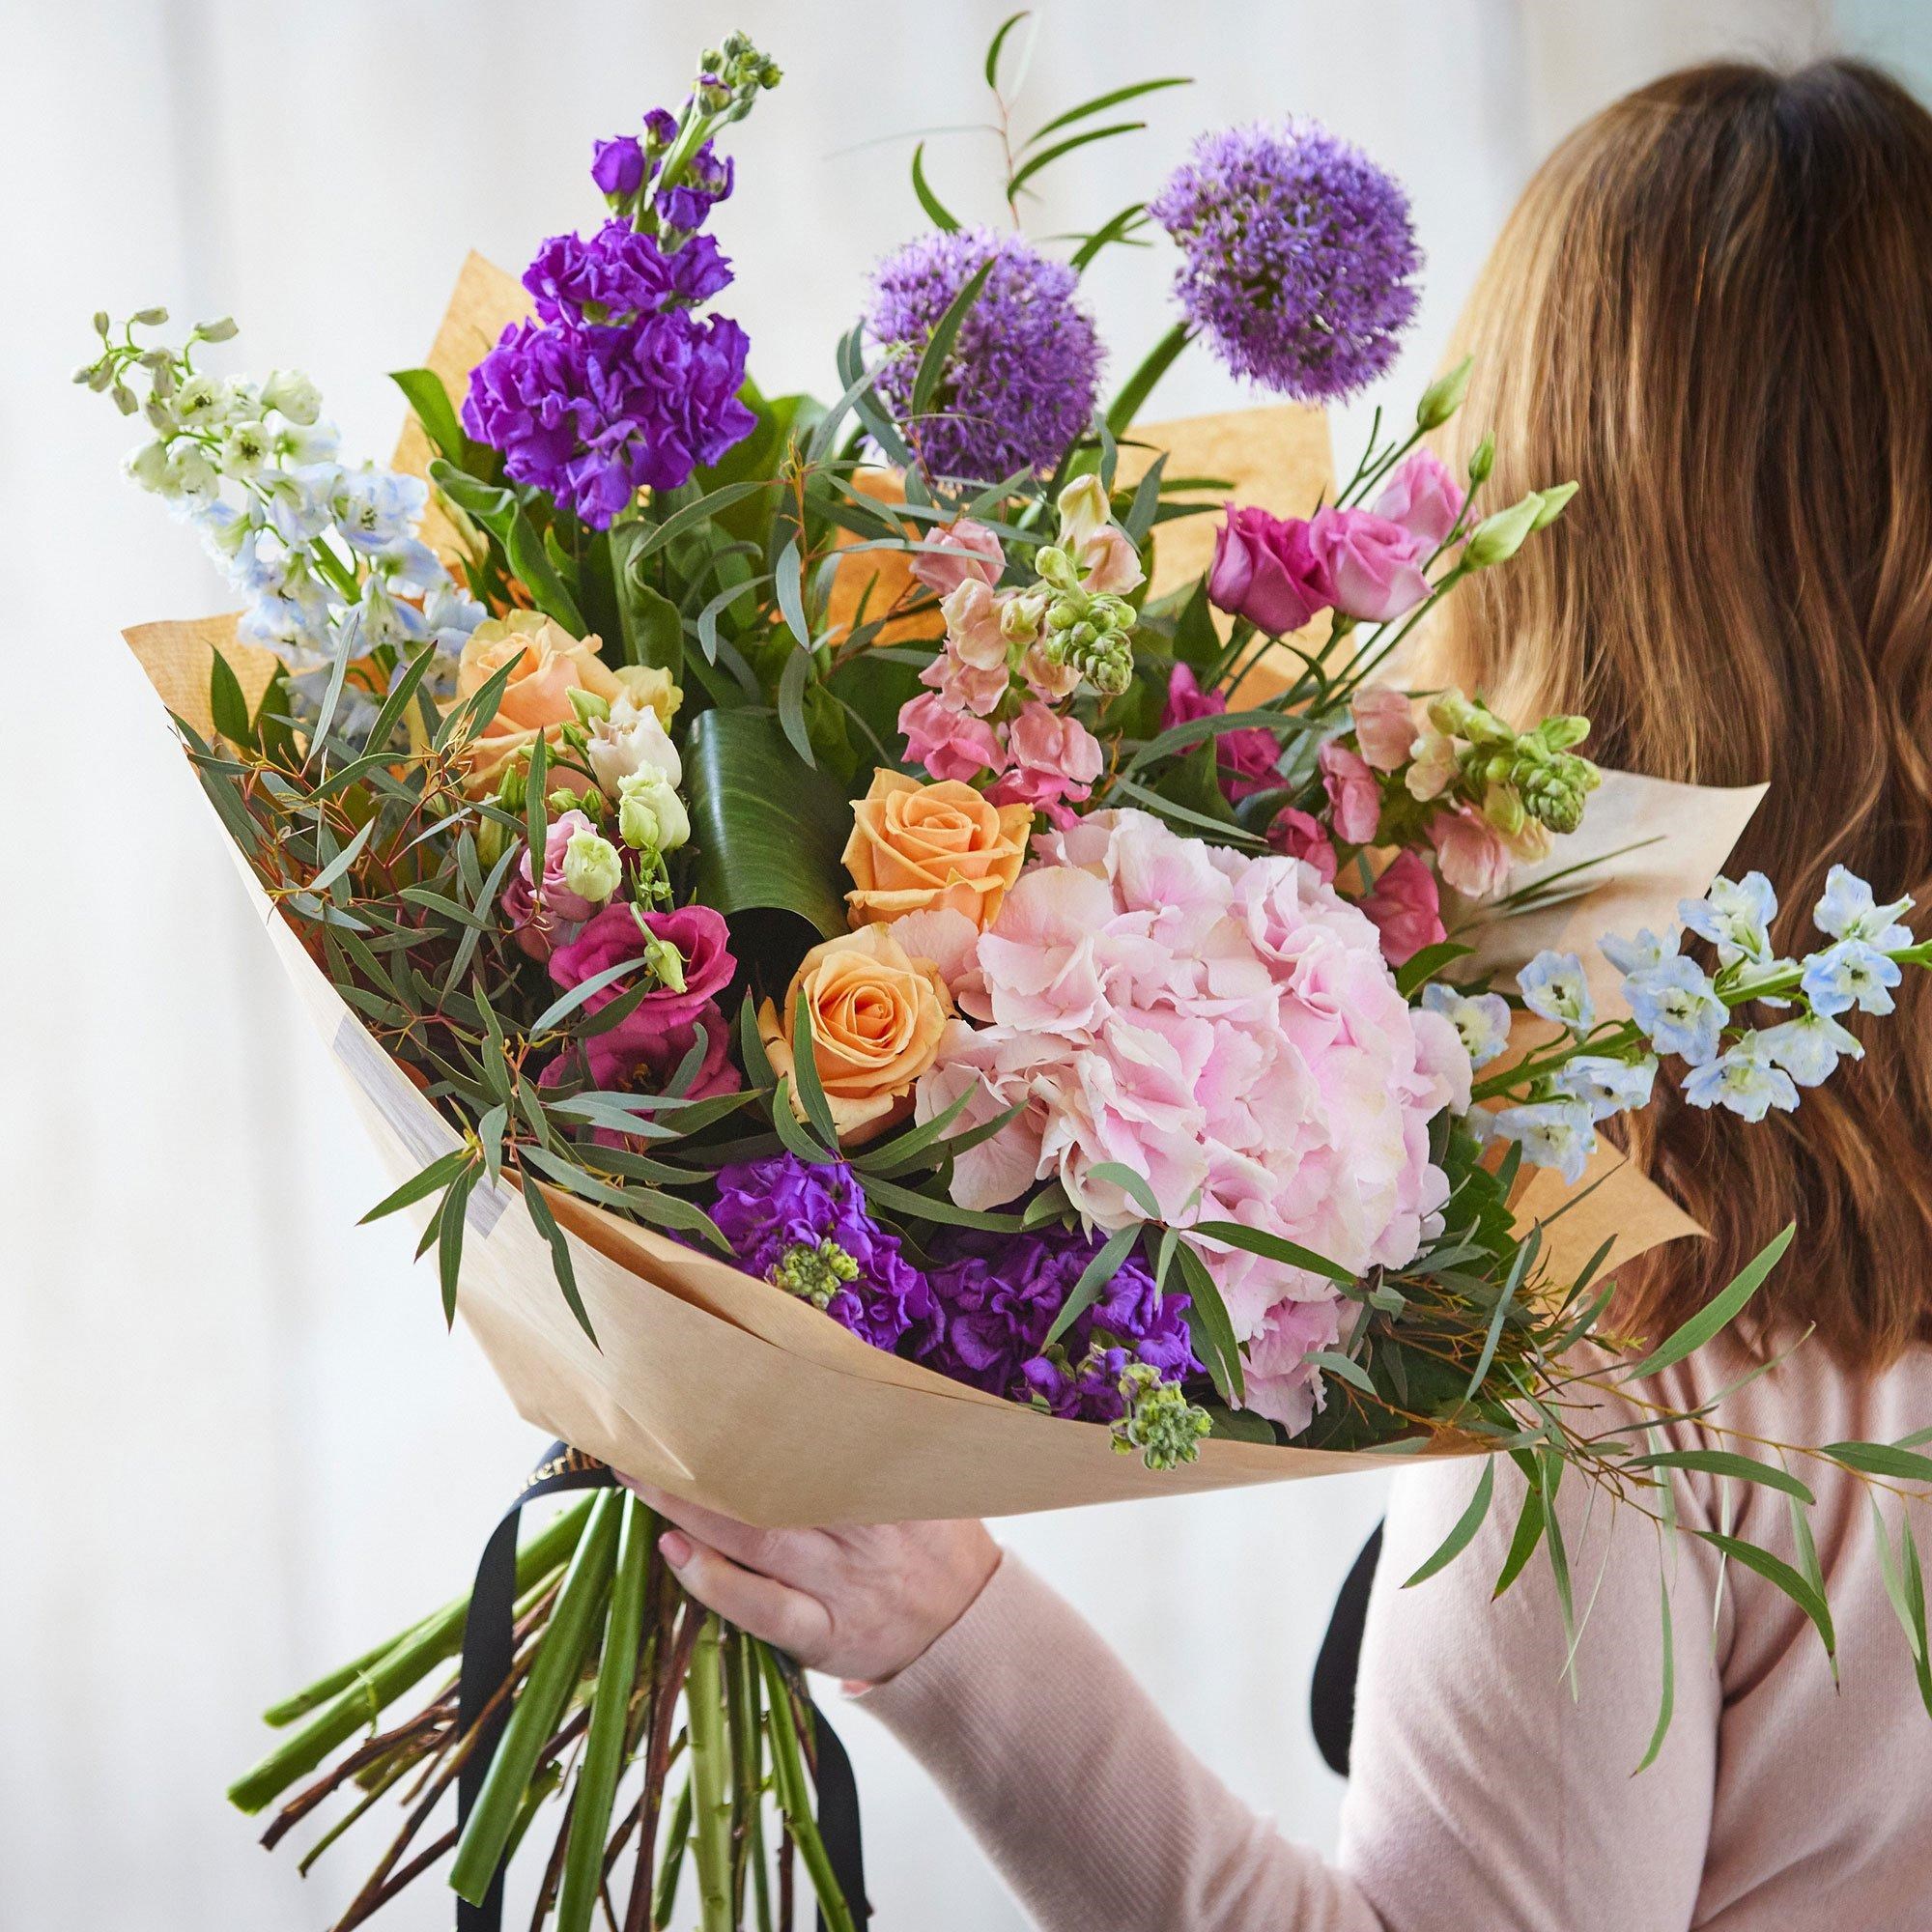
(1226, 1029)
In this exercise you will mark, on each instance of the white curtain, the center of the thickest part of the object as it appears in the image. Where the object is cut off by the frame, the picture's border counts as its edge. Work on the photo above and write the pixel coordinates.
(235, 1444)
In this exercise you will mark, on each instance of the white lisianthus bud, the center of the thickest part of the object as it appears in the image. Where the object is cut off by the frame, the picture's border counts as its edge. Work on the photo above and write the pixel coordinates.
(1083, 508)
(648, 687)
(292, 394)
(1443, 397)
(592, 867)
(1497, 538)
(1555, 499)
(650, 815)
(628, 742)
(590, 705)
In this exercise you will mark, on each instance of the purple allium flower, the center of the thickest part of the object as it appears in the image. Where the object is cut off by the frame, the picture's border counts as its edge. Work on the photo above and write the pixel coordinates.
(1020, 383)
(1298, 256)
(804, 1226)
(617, 387)
(995, 1297)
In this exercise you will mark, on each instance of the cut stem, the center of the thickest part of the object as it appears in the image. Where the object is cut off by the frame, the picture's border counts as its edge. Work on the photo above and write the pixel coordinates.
(710, 1766)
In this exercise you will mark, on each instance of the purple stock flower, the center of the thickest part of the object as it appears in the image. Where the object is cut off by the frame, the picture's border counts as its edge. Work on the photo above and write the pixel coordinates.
(995, 1297)
(617, 166)
(1020, 382)
(617, 387)
(707, 181)
(1298, 256)
(804, 1226)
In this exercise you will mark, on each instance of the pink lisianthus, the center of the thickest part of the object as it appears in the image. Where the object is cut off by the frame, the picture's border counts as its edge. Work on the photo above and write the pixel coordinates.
(1471, 853)
(949, 743)
(1354, 793)
(1374, 565)
(665, 1013)
(542, 917)
(1298, 835)
(1266, 570)
(1052, 759)
(1423, 497)
(1245, 759)
(971, 552)
(1223, 1027)
(1406, 908)
(1384, 725)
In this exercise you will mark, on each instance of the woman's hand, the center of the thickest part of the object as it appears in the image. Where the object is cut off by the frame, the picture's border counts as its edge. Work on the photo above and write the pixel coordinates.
(860, 1602)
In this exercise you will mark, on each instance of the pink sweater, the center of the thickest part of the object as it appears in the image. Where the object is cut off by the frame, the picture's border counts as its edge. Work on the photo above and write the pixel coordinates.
(1483, 1797)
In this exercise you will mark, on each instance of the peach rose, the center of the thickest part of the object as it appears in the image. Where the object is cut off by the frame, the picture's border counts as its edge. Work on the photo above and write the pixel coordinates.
(917, 847)
(876, 1017)
(550, 665)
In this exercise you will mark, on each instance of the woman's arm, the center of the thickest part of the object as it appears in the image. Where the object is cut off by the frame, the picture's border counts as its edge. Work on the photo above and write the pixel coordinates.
(1483, 1795)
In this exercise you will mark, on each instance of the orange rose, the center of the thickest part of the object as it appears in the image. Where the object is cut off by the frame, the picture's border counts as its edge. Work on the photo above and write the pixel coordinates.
(920, 848)
(876, 1017)
(550, 665)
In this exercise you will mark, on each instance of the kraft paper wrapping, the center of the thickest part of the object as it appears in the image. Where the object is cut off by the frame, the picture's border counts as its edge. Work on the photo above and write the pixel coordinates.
(726, 1390)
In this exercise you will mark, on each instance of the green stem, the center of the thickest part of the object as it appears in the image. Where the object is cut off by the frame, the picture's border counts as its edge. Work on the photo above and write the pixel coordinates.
(747, 1711)
(1128, 405)
(711, 1806)
(533, 1717)
(676, 1838)
(1365, 480)
(609, 1714)
(1376, 652)
(795, 1798)
(368, 1688)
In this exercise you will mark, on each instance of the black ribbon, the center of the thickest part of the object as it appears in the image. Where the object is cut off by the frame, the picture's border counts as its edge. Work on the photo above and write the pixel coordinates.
(1331, 1697)
(488, 1648)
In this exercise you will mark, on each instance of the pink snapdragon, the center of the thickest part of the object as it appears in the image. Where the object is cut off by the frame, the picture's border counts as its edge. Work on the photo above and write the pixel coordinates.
(1384, 725)
(1471, 853)
(1051, 761)
(1354, 793)
(950, 741)
(1226, 1029)
(958, 552)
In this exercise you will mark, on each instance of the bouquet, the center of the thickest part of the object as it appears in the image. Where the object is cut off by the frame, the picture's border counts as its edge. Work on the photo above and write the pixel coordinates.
(899, 982)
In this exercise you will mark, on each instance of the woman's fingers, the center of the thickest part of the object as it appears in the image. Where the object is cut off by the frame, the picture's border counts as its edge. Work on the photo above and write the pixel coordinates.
(794, 1557)
(789, 1618)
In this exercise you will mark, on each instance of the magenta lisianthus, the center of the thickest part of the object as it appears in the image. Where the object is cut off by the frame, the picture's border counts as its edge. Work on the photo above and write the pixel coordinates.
(1373, 566)
(1423, 497)
(1354, 793)
(1245, 759)
(1266, 570)
(619, 933)
(1406, 908)
(1298, 835)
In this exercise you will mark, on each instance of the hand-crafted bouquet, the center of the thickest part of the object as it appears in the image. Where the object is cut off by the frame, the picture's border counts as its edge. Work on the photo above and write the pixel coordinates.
(899, 985)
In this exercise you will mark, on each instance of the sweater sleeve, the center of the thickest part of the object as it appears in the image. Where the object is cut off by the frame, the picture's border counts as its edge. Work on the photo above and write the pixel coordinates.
(1482, 1795)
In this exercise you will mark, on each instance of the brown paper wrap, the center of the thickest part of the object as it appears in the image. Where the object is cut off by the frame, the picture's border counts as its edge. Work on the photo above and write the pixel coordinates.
(726, 1390)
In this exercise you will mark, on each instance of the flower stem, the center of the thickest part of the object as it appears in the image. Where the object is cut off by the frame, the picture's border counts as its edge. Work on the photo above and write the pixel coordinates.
(1133, 395)
(711, 1805)
(795, 1799)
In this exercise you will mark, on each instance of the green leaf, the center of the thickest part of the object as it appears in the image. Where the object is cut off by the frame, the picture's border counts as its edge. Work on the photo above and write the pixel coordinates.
(805, 1076)
(1116, 228)
(768, 827)
(1464, 1533)
(429, 400)
(435, 1174)
(561, 1265)
(1272, 1247)
(450, 1236)
(1421, 967)
(1718, 1314)
(567, 1003)
(751, 1047)
(1782, 1577)
(932, 359)
(499, 513)
(1331, 1361)
(800, 1140)
(707, 509)
(1667, 1696)
(398, 699)
(1239, 1424)
(1212, 1332)
(998, 43)
(1116, 1174)
(1726, 1463)
(1522, 1543)
(1102, 103)
(1883, 1459)
(1096, 1276)
(1048, 155)
(1905, 1585)
(653, 630)
(1196, 642)
(793, 681)
(937, 213)
(226, 705)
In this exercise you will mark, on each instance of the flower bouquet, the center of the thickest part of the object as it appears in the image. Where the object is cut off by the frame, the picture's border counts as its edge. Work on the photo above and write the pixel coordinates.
(897, 983)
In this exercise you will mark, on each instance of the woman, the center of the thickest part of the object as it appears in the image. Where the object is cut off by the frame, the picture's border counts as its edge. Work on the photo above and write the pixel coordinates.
(1714, 308)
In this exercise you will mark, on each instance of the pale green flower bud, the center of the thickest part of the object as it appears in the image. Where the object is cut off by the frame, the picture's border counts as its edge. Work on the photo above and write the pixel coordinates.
(1160, 1422)
(815, 1274)
(1554, 501)
(219, 331)
(1443, 397)
(1054, 566)
(1503, 808)
(1497, 538)
(149, 467)
(591, 867)
(1084, 508)
(148, 318)
(1482, 460)
(588, 705)
(1021, 617)
(650, 815)
(664, 962)
(290, 394)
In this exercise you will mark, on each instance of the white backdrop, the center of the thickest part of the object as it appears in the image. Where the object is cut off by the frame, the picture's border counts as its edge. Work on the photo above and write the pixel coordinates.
(235, 1444)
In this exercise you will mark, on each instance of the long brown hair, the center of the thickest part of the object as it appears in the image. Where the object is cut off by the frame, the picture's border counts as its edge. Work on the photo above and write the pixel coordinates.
(1712, 308)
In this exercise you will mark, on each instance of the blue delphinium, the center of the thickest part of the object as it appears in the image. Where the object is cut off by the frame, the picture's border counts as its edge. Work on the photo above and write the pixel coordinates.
(1299, 255)
(1553, 987)
(1024, 371)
